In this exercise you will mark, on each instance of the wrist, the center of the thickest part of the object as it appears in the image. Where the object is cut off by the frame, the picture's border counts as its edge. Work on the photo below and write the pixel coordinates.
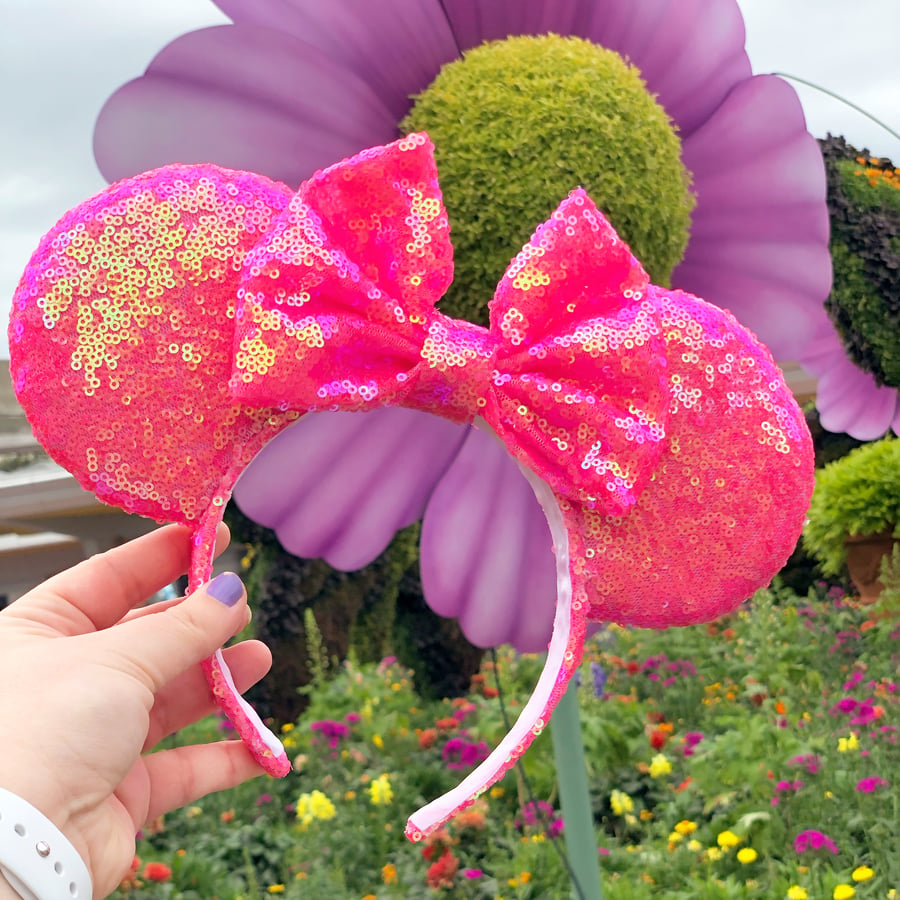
(6, 890)
(37, 861)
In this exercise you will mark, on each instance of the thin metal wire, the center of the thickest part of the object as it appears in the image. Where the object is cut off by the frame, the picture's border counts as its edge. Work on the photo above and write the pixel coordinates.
(843, 100)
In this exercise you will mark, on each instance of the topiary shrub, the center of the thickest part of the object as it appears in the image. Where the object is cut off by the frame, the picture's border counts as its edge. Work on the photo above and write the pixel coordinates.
(864, 209)
(519, 123)
(856, 495)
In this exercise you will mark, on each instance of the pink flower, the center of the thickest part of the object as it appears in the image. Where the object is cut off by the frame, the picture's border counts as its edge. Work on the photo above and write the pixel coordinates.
(870, 785)
(332, 730)
(814, 840)
(808, 761)
(463, 753)
(473, 873)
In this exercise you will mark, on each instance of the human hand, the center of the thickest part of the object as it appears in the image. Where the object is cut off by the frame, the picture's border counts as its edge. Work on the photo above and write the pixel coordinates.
(88, 684)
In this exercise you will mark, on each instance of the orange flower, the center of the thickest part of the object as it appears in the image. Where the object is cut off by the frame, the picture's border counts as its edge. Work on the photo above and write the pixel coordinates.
(780, 708)
(227, 816)
(447, 724)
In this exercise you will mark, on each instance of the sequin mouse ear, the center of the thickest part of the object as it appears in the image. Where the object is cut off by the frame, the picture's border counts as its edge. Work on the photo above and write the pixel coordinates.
(121, 345)
(122, 342)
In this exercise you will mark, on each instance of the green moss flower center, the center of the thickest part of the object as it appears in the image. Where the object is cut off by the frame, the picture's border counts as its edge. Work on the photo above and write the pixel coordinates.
(517, 124)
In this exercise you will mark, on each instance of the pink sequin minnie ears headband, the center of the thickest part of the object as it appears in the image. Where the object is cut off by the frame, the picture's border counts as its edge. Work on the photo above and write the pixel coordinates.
(169, 327)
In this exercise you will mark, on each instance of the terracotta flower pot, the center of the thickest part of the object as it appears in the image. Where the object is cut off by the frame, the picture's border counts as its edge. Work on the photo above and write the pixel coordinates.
(864, 555)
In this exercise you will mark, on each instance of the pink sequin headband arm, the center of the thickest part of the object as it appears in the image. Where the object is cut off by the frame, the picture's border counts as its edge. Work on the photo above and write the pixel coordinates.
(221, 305)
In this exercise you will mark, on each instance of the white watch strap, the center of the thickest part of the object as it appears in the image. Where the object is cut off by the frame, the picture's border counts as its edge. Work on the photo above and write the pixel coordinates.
(36, 858)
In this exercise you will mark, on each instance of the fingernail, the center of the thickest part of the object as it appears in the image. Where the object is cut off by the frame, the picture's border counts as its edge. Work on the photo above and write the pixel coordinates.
(227, 588)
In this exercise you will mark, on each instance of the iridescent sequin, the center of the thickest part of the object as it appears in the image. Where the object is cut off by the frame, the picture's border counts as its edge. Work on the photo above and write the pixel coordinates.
(167, 329)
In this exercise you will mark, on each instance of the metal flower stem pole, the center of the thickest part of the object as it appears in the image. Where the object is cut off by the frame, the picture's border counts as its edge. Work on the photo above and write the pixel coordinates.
(575, 800)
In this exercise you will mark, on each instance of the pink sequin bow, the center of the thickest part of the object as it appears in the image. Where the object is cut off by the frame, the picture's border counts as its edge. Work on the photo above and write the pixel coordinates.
(337, 311)
(168, 328)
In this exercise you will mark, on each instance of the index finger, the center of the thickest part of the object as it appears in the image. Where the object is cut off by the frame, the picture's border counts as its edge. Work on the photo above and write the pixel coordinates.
(98, 592)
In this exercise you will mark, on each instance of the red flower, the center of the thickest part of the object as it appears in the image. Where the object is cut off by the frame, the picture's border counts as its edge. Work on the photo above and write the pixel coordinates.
(157, 871)
(658, 738)
(442, 873)
(427, 738)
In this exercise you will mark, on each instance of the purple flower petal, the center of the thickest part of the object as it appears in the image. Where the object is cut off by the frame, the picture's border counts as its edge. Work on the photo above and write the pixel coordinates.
(486, 550)
(339, 485)
(759, 239)
(232, 95)
(690, 52)
(847, 398)
(397, 52)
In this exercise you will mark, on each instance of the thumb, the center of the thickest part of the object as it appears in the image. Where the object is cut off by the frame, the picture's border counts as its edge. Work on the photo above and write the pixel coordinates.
(171, 641)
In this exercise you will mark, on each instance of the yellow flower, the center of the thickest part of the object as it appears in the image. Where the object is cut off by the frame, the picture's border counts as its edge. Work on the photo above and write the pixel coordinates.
(193, 811)
(621, 803)
(847, 744)
(350, 795)
(746, 855)
(862, 873)
(795, 892)
(275, 888)
(675, 837)
(686, 826)
(659, 766)
(288, 726)
(389, 873)
(713, 853)
(321, 806)
(496, 793)
(380, 791)
(694, 846)
(378, 742)
(314, 806)
(843, 892)
(727, 839)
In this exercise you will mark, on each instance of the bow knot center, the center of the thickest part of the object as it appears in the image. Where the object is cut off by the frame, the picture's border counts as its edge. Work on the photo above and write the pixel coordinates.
(456, 366)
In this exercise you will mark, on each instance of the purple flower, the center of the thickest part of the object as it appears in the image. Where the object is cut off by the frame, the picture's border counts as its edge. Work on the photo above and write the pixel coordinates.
(598, 679)
(332, 730)
(339, 485)
(870, 785)
(814, 840)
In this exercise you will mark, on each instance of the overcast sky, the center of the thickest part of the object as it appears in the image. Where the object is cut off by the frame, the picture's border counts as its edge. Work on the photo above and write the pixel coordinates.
(60, 60)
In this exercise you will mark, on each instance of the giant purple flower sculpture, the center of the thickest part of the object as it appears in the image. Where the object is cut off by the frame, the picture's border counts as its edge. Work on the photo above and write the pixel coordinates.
(290, 88)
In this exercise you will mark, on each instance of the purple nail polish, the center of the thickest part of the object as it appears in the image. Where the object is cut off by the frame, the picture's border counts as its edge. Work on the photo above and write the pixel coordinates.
(227, 588)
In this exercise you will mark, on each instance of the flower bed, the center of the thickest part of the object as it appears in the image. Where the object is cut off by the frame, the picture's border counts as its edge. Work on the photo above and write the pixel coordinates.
(748, 758)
